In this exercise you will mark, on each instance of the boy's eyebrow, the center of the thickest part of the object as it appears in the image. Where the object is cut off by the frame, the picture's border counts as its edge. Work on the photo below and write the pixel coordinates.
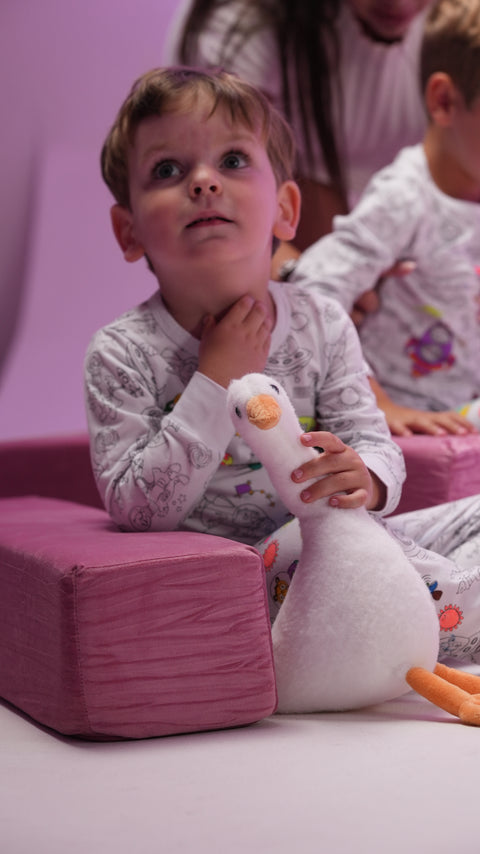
(157, 148)
(245, 135)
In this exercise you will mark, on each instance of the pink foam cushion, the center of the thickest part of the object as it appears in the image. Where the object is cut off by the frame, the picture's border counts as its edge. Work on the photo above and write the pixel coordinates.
(108, 635)
(54, 466)
(439, 469)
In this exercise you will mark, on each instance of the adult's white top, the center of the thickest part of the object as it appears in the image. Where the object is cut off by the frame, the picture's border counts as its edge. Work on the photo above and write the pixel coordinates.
(382, 105)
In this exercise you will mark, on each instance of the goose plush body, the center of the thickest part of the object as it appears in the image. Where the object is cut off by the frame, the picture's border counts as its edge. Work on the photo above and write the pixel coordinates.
(358, 625)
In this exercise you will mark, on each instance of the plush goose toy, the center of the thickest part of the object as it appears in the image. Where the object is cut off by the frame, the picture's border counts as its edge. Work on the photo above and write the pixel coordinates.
(358, 625)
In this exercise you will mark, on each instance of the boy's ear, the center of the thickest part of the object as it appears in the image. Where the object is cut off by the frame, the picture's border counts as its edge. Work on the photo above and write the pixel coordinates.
(288, 213)
(441, 98)
(122, 224)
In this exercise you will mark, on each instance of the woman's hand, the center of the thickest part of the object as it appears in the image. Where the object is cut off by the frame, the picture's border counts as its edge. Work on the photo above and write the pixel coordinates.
(341, 475)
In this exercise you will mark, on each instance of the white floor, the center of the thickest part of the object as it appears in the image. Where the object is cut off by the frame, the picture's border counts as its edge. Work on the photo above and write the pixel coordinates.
(403, 777)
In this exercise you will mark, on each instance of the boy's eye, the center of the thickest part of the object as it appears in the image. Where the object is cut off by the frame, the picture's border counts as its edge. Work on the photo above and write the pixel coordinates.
(166, 169)
(235, 160)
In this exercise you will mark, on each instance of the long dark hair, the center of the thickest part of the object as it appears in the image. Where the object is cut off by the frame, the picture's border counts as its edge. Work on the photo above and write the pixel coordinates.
(307, 42)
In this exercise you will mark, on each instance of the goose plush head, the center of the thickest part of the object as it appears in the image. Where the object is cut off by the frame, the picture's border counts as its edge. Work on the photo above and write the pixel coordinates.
(264, 417)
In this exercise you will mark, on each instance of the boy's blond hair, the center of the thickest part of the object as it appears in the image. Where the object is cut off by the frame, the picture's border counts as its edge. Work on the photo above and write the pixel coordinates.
(451, 44)
(164, 90)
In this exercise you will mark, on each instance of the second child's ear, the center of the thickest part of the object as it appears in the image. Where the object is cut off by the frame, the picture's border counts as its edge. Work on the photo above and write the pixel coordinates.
(288, 214)
(122, 224)
(441, 98)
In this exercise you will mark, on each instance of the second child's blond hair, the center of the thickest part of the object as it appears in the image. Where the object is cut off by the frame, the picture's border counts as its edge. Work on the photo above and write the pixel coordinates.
(451, 44)
(165, 90)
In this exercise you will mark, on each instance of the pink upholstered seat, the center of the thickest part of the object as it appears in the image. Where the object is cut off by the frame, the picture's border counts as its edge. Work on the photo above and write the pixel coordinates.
(439, 469)
(110, 635)
(106, 635)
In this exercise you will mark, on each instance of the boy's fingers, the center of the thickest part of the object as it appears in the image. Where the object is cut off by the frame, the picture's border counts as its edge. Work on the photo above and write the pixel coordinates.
(247, 309)
(322, 439)
(435, 424)
(355, 499)
(329, 475)
(338, 490)
(258, 315)
(239, 310)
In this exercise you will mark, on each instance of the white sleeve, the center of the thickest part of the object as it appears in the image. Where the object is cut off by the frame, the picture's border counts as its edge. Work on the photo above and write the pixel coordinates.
(366, 243)
(151, 465)
(380, 111)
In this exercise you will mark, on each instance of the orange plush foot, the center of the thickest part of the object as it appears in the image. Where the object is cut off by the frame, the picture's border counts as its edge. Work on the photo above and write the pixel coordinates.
(442, 693)
(469, 711)
(468, 681)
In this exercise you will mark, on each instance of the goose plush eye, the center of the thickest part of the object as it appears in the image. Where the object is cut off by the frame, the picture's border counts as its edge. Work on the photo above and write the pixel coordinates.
(238, 412)
(275, 388)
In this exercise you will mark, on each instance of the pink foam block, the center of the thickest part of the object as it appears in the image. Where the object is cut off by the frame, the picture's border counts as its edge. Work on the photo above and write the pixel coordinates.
(439, 469)
(111, 635)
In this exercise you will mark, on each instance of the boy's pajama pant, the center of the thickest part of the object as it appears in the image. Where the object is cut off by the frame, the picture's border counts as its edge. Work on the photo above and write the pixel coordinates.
(443, 544)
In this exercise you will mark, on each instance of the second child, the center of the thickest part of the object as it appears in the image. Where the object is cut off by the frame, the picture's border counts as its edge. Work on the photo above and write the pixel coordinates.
(423, 342)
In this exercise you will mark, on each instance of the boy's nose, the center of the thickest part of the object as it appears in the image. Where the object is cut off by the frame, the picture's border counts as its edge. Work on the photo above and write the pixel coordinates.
(199, 188)
(204, 181)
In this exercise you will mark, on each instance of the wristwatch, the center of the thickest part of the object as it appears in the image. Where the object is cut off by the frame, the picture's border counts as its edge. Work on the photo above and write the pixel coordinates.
(287, 269)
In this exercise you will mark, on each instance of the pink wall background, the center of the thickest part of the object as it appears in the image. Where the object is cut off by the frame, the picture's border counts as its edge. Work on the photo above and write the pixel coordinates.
(65, 69)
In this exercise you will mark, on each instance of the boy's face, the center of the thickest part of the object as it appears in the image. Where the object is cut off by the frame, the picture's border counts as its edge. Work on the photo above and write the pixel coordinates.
(202, 195)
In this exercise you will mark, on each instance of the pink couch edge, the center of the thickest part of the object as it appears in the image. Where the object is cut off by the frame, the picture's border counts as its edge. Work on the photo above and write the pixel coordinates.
(439, 469)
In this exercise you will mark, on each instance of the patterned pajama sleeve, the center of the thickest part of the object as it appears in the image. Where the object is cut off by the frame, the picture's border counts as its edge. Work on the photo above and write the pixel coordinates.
(152, 457)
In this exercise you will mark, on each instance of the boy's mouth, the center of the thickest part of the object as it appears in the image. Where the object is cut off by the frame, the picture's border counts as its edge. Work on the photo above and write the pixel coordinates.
(208, 219)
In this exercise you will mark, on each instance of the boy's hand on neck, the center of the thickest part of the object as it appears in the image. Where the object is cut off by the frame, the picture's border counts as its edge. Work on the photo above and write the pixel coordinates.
(238, 343)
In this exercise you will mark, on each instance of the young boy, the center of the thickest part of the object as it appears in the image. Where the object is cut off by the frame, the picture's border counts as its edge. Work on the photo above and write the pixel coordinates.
(200, 166)
(423, 343)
